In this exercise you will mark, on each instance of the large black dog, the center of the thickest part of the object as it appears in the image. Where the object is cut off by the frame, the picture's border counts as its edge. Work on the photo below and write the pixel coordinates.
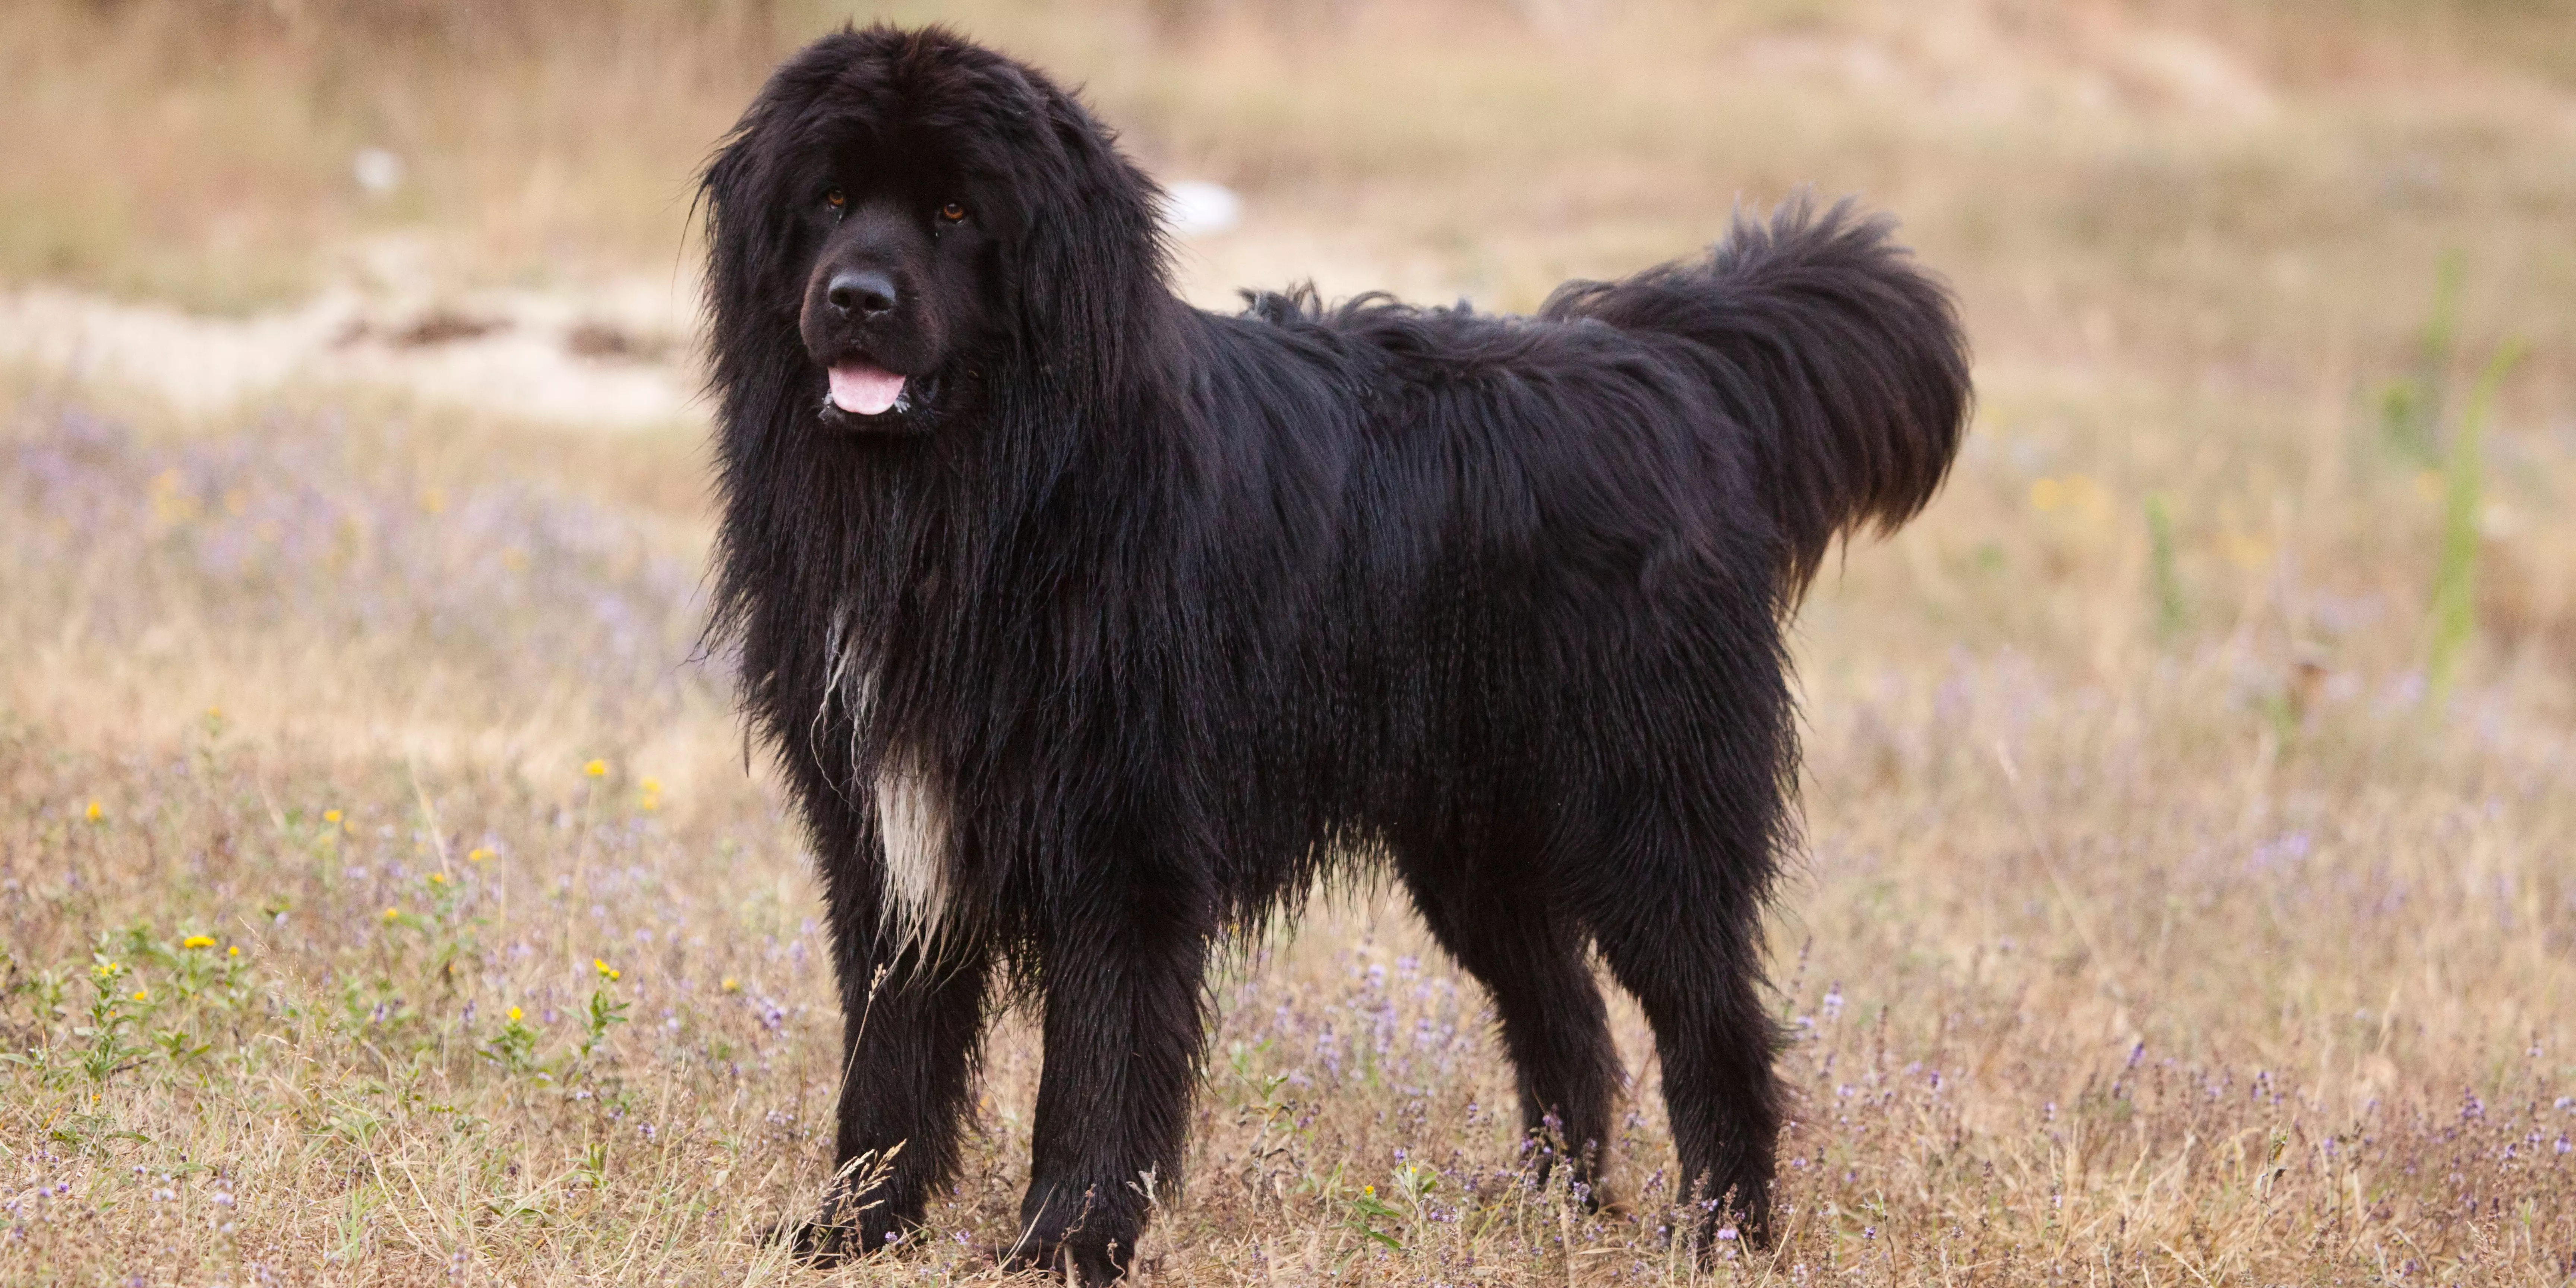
(1089, 627)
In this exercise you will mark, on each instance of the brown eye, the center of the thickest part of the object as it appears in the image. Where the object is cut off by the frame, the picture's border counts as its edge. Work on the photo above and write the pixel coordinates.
(953, 213)
(835, 199)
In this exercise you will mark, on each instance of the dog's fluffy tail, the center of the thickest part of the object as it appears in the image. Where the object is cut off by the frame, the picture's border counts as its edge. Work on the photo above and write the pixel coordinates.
(1840, 357)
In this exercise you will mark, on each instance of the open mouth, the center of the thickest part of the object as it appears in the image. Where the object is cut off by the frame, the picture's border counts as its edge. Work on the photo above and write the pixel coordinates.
(865, 394)
(865, 389)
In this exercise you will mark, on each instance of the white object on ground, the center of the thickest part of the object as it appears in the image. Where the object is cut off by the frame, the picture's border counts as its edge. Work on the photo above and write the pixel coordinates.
(377, 170)
(1194, 206)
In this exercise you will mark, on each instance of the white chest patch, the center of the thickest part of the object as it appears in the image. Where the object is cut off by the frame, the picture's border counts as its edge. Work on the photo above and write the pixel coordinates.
(912, 815)
(912, 811)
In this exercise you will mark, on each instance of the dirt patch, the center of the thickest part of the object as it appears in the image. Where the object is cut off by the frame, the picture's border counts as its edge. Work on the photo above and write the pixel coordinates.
(610, 356)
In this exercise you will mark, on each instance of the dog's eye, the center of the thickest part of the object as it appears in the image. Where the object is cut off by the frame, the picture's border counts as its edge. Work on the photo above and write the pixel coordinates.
(836, 199)
(953, 213)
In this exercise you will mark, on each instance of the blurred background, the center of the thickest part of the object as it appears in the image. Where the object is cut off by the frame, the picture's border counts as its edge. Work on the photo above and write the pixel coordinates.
(2191, 887)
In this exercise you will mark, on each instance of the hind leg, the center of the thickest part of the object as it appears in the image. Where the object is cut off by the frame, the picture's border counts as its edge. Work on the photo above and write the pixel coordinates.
(1667, 834)
(1553, 1025)
(1693, 960)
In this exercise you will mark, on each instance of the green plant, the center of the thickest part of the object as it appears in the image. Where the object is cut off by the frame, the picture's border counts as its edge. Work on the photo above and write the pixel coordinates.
(2410, 408)
(514, 1046)
(605, 1011)
(1362, 1213)
(2455, 581)
(109, 1051)
(2160, 556)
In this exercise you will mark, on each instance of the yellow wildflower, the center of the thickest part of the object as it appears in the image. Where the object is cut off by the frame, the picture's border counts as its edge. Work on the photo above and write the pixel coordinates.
(606, 971)
(143, 995)
(438, 878)
(652, 786)
(2245, 550)
(170, 504)
(94, 813)
(392, 913)
(732, 985)
(330, 816)
(477, 854)
(198, 941)
(514, 1015)
(596, 769)
(234, 951)
(108, 970)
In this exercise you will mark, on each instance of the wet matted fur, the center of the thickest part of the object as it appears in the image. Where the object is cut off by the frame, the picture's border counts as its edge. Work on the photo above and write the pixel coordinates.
(1089, 627)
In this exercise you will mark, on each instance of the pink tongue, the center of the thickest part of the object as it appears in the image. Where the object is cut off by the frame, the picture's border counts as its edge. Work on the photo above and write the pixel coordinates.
(863, 389)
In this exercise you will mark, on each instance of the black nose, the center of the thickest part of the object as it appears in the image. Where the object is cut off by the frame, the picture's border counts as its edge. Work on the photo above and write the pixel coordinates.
(863, 291)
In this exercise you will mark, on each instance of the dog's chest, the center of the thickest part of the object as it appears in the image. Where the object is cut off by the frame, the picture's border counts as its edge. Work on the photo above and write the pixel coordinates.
(912, 816)
(912, 806)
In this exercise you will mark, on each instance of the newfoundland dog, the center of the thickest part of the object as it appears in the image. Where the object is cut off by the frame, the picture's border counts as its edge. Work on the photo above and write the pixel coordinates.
(1089, 627)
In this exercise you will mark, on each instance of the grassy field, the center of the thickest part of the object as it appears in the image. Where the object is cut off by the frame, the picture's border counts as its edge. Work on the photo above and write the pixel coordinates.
(387, 896)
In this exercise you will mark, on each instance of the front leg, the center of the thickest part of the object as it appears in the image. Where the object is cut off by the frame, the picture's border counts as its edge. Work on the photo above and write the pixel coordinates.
(1122, 972)
(910, 1028)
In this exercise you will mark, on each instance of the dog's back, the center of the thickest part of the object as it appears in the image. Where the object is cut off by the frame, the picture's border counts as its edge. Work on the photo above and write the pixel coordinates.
(1805, 378)
(1524, 577)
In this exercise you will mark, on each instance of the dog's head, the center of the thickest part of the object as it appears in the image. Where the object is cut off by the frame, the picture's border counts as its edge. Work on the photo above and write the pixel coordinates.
(920, 210)
(903, 281)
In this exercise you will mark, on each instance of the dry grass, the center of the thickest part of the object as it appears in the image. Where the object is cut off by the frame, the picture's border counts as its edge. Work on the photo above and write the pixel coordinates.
(2164, 924)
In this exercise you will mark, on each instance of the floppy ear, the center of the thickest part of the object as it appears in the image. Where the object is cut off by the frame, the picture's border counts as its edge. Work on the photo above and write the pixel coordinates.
(751, 291)
(745, 229)
(1090, 272)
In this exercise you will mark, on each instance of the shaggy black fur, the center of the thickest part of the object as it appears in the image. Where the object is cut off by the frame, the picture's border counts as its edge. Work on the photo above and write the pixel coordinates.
(1135, 621)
